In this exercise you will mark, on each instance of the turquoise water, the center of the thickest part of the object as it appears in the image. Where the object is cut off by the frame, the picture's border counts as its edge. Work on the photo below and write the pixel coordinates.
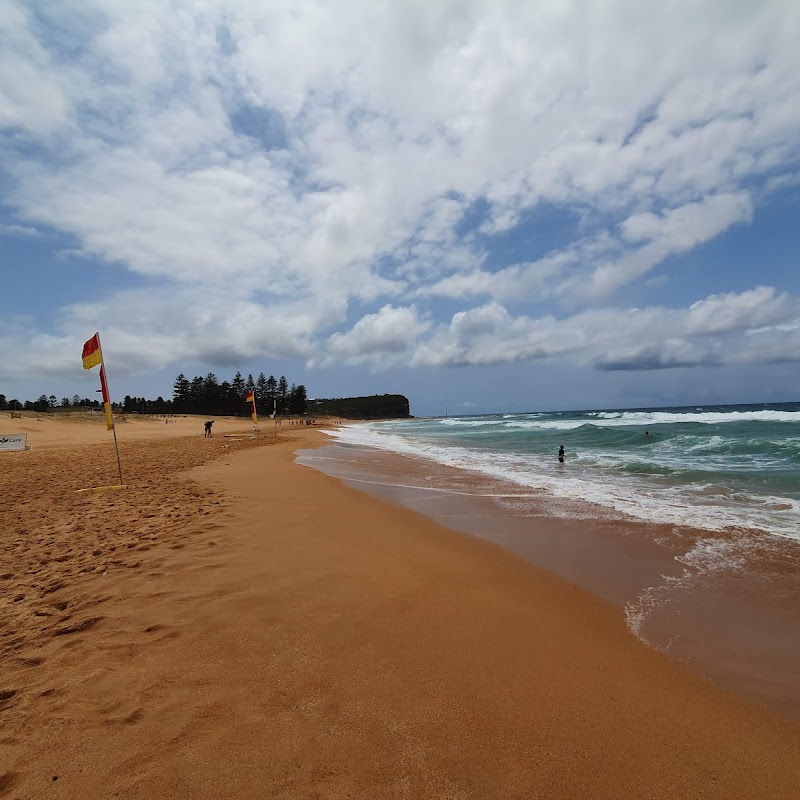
(708, 467)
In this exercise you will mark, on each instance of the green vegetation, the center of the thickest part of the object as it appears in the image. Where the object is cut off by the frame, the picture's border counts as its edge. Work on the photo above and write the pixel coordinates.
(211, 397)
(378, 406)
(207, 396)
(227, 398)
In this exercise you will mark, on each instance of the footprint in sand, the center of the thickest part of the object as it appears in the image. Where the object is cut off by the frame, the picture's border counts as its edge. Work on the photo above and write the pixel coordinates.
(77, 627)
(31, 661)
(126, 718)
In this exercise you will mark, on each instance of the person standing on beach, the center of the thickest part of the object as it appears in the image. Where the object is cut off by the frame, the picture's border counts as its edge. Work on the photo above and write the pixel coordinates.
(208, 425)
(561, 454)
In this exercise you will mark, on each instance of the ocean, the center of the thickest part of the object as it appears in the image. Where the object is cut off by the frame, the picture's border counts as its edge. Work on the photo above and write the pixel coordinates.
(708, 467)
(687, 518)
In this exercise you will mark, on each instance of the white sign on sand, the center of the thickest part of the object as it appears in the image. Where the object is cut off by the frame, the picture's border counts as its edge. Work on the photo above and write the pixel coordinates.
(13, 441)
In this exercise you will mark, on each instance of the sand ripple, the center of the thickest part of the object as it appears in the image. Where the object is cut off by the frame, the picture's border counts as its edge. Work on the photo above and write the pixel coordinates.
(56, 545)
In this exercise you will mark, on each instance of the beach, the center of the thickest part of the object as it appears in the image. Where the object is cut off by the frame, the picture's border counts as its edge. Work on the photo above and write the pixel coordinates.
(686, 519)
(234, 624)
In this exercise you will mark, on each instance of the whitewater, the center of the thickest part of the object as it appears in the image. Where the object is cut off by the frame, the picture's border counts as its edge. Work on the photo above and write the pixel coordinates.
(713, 468)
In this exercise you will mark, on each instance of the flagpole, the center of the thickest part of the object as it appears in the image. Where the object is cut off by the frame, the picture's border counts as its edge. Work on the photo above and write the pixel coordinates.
(111, 411)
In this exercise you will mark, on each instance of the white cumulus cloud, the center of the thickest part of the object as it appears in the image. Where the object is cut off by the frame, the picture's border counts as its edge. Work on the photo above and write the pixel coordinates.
(376, 183)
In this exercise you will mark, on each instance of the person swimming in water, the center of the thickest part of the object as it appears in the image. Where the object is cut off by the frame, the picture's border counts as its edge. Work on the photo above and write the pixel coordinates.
(561, 454)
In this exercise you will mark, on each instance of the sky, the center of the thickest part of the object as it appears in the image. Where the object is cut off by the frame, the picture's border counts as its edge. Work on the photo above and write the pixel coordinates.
(483, 205)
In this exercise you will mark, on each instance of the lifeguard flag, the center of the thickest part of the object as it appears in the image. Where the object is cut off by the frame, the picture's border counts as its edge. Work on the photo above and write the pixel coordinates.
(92, 356)
(251, 398)
(91, 352)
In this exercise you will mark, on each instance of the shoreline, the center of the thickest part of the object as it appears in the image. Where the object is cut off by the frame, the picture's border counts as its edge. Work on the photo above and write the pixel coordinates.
(277, 632)
(683, 592)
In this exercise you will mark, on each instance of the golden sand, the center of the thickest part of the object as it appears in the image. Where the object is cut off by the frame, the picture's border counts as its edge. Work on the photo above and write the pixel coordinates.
(233, 625)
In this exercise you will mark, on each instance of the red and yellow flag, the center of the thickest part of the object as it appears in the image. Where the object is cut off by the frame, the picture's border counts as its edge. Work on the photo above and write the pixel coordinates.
(92, 356)
(251, 398)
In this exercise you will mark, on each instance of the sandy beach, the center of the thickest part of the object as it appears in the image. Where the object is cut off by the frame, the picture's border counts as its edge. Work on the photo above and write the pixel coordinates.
(726, 606)
(235, 625)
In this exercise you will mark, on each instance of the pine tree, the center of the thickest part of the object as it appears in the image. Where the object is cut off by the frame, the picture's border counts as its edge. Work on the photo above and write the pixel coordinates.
(180, 394)
(212, 402)
(238, 386)
(229, 404)
(261, 395)
(297, 400)
(272, 394)
(196, 396)
(283, 391)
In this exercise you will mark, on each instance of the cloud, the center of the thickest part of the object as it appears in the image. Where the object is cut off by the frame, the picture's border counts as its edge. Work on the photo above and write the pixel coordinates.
(19, 230)
(674, 231)
(32, 95)
(378, 339)
(144, 330)
(684, 227)
(276, 172)
(760, 308)
(754, 327)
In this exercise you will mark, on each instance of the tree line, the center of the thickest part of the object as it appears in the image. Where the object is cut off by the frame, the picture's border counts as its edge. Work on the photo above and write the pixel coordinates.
(45, 403)
(227, 398)
(201, 395)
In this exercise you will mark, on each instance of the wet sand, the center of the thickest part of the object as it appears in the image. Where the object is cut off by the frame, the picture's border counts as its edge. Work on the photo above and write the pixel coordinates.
(725, 604)
(253, 628)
